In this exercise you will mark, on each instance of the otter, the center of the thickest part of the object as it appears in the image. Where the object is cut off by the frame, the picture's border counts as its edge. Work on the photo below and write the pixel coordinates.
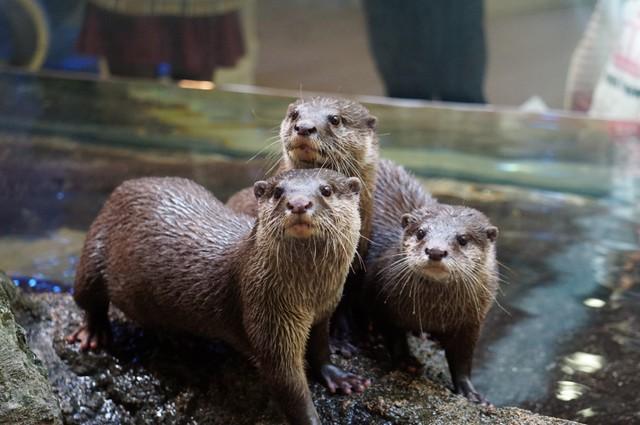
(430, 268)
(337, 134)
(172, 257)
(332, 133)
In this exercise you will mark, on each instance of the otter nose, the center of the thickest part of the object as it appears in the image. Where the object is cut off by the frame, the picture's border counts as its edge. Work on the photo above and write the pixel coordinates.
(435, 254)
(299, 205)
(304, 129)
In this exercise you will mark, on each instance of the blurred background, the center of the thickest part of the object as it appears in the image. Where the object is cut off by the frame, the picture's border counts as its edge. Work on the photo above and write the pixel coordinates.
(496, 51)
(104, 100)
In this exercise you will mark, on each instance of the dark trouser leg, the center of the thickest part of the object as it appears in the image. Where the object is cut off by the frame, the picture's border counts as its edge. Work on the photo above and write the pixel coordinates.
(464, 54)
(429, 49)
(403, 42)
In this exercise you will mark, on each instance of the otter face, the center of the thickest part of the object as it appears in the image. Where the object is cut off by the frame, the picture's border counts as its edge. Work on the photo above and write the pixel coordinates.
(447, 243)
(301, 204)
(324, 132)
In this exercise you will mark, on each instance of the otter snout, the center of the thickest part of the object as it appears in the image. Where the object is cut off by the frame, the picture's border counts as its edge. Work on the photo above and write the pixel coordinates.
(299, 210)
(304, 128)
(299, 205)
(303, 148)
(435, 254)
(434, 267)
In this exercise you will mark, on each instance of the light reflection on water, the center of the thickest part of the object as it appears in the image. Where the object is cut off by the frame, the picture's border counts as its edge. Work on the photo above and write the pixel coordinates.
(567, 390)
(583, 362)
(587, 413)
(594, 303)
(553, 308)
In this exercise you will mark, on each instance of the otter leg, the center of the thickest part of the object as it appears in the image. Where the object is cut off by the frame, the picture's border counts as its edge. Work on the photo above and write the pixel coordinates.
(340, 340)
(324, 370)
(90, 293)
(458, 349)
(278, 348)
(342, 330)
(395, 339)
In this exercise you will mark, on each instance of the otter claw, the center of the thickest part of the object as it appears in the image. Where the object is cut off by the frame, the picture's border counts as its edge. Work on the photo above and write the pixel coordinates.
(343, 348)
(88, 339)
(335, 378)
(477, 398)
(467, 390)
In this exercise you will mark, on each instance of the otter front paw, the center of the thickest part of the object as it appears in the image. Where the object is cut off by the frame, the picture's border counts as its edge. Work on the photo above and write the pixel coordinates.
(465, 388)
(336, 379)
(90, 339)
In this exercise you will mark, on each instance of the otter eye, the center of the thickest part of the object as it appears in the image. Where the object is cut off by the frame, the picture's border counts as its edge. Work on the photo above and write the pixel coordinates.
(326, 190)
(334, 119)
(462, 239)
(277, 192)
(294, 115)
(420, 234)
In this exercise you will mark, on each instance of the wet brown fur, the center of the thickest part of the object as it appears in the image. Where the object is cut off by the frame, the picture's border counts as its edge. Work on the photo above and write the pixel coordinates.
(171, 256)
(402, 298)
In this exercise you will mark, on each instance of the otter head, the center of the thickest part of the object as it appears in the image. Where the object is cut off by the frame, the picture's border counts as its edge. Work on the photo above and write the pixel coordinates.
(448, 243)
(301, 204)
(325, 132)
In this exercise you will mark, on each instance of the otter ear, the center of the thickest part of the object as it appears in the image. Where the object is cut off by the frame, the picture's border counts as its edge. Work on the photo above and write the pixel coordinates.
(492, 233)
(372, 122)
(408, 219)
(354, 184)
(259, 188)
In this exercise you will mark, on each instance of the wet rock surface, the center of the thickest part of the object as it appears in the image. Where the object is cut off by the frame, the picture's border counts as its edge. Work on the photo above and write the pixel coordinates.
(148, 378)
(25, 394)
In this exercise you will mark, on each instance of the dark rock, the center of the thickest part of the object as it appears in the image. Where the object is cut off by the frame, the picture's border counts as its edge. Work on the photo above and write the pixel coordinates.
(25, 394)
(149, 378)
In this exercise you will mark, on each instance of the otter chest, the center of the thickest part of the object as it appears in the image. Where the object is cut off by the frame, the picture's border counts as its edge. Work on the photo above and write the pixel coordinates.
(420, 310)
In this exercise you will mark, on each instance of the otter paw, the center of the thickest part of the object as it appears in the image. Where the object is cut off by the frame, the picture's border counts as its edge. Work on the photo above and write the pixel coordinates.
(409, 364)
(469, 392)
(88, 339)
(343, 348)
(335, 379)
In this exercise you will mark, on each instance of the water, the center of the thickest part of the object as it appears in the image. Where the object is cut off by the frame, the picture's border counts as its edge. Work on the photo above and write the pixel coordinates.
(565, 340)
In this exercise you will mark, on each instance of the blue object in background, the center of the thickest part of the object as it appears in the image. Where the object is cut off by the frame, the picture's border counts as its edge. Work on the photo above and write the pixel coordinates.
(32, 284)
(64, 20)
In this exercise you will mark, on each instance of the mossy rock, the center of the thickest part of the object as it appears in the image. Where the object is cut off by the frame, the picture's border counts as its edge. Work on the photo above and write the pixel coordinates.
(25, 393)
